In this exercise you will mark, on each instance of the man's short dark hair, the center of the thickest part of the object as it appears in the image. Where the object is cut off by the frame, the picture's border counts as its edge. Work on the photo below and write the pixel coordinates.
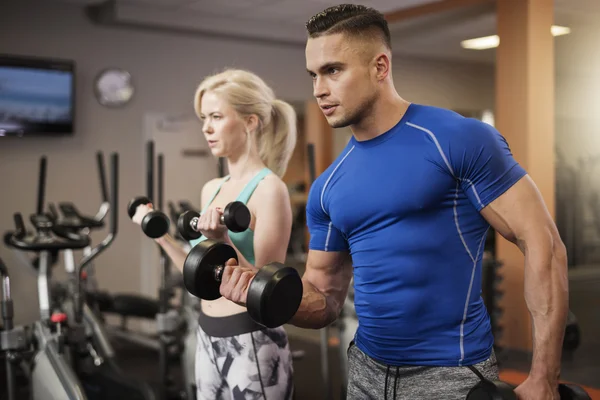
(352, 19)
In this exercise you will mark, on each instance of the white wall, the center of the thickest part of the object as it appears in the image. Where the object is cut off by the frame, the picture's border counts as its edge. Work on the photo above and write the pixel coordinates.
(578, 141)
(166, 70)
(454, 85)
(577, 93)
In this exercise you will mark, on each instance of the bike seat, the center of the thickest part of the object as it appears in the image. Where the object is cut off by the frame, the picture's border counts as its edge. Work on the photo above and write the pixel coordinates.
(103, 300)
(132, 305)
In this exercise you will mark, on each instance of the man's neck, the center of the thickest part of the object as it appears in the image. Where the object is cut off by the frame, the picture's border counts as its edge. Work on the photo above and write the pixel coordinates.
(384, 116)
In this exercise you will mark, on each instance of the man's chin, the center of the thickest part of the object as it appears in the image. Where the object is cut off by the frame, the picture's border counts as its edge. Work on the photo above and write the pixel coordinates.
(337, 123)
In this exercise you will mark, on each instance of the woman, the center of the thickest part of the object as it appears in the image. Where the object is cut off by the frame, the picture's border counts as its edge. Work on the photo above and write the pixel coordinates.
(244, 123)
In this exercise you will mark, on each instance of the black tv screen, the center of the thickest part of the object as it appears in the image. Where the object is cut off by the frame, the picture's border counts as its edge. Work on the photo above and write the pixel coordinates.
(36, 96)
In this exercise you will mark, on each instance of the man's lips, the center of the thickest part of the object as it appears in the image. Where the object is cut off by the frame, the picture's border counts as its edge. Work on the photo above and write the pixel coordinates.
(328, 109)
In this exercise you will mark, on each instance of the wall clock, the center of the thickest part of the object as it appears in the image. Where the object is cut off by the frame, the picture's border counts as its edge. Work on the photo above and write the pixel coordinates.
(113, 87)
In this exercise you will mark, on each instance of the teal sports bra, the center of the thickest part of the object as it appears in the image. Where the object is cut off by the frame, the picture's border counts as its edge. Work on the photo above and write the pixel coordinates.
(243, 241)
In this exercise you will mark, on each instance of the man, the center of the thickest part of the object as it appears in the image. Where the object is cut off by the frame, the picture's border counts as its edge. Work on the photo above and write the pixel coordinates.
(405, 209)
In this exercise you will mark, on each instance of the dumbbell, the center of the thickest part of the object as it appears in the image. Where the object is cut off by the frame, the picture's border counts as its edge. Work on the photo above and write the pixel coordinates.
(236, 217)
(274, 294)
(154, 224)
(572, 333)
(498, 390)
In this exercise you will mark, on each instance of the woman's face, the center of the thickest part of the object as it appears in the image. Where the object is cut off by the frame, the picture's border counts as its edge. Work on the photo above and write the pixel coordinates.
(223, 129)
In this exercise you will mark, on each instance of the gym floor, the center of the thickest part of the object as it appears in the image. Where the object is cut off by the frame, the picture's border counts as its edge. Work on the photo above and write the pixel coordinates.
(582, 367)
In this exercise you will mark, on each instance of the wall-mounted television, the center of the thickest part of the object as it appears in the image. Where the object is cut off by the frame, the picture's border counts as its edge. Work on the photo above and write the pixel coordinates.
(37, 96)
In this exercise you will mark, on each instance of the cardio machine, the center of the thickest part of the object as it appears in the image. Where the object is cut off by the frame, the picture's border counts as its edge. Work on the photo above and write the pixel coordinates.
(176, 325)
(72, 358)
(13, 339)
(100, 301)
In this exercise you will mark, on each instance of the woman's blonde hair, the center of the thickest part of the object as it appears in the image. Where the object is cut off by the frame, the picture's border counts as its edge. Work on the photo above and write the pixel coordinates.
(248, 94)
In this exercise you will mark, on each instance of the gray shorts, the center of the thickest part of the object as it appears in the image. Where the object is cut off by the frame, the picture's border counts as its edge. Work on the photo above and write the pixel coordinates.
(369, 379)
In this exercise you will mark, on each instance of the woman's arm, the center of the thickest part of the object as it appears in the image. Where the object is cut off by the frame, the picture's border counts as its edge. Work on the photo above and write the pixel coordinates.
(272, 226)
(174, 250)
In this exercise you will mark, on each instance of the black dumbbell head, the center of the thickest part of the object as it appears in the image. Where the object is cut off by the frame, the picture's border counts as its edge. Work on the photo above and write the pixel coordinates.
(134, 203)
(155, 224)
(274, 295)
(184, 228)
(572, 392)
(572, 337)
(199, 268)
(492, 390)
(236, 216)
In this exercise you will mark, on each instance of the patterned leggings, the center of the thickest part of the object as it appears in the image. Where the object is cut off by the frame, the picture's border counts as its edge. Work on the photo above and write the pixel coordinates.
(256, 365)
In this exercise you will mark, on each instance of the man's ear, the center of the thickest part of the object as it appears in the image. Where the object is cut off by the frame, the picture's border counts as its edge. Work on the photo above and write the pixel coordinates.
(383, 66)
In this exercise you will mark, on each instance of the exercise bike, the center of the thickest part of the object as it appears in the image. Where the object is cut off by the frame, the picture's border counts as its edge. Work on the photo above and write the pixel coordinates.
(13, 339)
(71, 359)
(175, 325)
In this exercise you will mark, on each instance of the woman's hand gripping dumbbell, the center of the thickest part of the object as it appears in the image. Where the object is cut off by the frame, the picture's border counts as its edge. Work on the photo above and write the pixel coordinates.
(271, 294)
(214, 223)
(154, 223)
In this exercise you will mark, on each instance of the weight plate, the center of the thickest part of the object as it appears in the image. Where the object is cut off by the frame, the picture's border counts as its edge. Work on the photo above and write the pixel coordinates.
(184, 228)
(274, 295)
(134, 203)
(155, 224)
(237, 216)
(572, 392)
(492, 390)
(199, 268)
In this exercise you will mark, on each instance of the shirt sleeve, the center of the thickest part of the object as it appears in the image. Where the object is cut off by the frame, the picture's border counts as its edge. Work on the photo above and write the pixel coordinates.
(324, 236)
(482, 161)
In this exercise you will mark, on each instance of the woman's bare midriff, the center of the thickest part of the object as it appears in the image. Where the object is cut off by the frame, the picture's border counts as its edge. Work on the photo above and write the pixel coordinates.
(221, 307)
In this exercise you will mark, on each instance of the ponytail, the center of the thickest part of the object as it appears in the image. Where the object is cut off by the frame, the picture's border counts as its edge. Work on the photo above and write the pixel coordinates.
(248, 94)
(277, 139)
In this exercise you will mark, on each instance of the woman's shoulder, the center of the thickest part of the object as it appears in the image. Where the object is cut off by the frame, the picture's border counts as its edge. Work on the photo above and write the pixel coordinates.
(212, 184)
(272, 186)
(209, 188)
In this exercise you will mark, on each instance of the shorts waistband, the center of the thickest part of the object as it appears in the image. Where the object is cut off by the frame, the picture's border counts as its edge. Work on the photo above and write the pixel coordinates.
(231, 325)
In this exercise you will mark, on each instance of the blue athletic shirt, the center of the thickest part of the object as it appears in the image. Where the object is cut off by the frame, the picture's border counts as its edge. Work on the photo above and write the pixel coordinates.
(406, 206)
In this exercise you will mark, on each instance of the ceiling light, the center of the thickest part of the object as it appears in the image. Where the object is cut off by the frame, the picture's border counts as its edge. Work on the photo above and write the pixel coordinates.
(489, 42)
(481, 43)
(560, 30)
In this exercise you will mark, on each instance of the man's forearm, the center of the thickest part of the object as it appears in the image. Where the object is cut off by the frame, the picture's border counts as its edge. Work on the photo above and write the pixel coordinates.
(546, 294)
(316, 310)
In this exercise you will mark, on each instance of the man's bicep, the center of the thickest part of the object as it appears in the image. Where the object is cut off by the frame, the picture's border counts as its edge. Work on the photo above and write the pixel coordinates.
(483, 162)
(329, 271)
(520, 213)
(324, 236)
